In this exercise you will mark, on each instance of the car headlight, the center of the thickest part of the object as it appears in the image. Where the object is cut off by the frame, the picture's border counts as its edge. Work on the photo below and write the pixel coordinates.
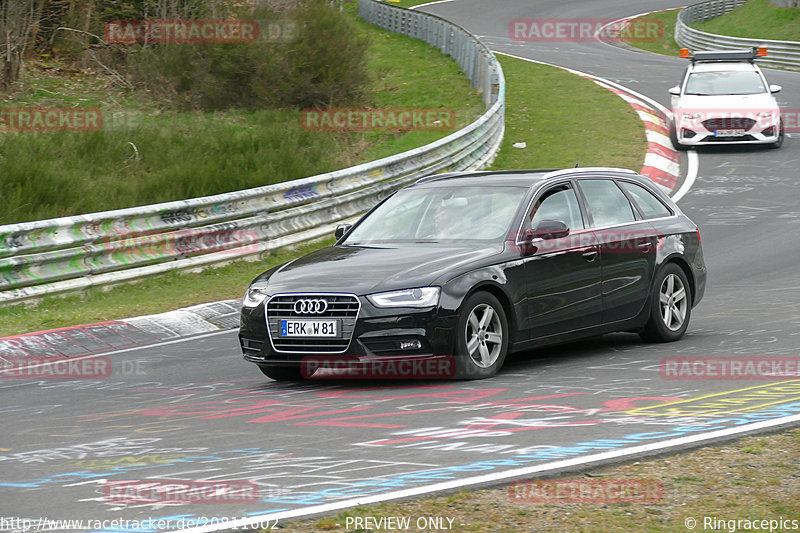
(692, 116)
(256, 293)
(419, 297)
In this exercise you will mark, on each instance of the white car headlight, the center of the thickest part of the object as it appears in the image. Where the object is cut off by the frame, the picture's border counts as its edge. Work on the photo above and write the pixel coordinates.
(419, 297)
(256, 293)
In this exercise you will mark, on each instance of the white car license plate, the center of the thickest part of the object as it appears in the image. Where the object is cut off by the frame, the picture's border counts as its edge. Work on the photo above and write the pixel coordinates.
(309, 328)
(729, 133)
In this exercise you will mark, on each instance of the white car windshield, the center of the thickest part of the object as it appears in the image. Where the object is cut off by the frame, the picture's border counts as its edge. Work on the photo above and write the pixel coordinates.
(724, 83)
(440, 214)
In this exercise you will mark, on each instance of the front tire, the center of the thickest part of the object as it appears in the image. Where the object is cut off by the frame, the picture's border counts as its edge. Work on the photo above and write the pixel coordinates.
(281, 373)
(781, 134)
(673, 136)
(481, 337)
(670, 306)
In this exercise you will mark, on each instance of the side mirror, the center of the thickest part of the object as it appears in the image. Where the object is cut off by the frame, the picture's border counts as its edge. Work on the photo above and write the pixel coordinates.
(775, 89)
(527, 247)
(551, 229)
(341, 230)
(675, 91)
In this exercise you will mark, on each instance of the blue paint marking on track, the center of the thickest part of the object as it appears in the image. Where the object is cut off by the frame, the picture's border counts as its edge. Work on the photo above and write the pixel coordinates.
(540, 454)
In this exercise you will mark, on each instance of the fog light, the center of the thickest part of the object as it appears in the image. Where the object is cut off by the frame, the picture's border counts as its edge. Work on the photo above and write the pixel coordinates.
(687, 134)
(410, 345)
(769, 132)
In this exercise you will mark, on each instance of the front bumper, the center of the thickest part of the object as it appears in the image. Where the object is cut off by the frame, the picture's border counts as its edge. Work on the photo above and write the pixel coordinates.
(727, 131)
(377, 334)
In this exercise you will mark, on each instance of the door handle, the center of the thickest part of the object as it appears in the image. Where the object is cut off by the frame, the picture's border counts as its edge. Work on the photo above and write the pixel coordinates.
(645, 246)
(590, 255)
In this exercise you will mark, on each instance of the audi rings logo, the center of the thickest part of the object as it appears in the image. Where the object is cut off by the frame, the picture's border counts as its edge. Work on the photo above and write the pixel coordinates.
(315, 306)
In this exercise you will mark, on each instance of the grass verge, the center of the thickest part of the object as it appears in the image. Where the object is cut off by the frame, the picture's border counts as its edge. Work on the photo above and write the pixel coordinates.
(756, 19)
(407, 3)
(665, 44)
(551, 110)
(554, 113)
(754, 478)
(576, 109)
(146, 154)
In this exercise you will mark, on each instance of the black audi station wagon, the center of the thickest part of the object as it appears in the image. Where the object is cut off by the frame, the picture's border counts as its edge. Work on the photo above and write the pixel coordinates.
(468, 267)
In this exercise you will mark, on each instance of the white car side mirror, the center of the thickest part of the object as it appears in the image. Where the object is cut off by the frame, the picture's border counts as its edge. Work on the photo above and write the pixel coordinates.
(775, 89)
(675, 91)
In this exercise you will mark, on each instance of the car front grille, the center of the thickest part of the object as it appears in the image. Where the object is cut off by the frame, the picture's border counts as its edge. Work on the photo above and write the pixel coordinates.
(343, 307)
(730, 123)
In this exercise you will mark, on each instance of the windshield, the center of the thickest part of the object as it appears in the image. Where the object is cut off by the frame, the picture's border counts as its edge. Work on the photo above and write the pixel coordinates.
(441, 214)
(724, 83)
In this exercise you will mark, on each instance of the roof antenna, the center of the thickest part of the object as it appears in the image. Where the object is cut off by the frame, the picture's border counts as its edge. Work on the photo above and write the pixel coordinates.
(576, 165)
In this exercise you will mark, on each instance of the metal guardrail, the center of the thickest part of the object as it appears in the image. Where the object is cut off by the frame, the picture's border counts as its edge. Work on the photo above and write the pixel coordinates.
(781, 54)
(77, 252)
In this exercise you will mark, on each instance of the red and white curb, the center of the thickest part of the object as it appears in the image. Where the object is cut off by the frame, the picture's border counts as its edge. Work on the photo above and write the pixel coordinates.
(115, 335)
(661, 162)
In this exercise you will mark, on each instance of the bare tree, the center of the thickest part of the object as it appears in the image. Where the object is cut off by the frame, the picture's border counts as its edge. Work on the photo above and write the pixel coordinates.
(16, 19)
(78, 17)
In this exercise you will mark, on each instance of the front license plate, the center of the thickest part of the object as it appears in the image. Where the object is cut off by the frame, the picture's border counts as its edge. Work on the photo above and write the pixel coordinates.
(729, 133)
(309, 328)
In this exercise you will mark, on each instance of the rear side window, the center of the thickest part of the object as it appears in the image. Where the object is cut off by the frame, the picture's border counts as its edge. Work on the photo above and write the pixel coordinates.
(647, 202)
(607, 203)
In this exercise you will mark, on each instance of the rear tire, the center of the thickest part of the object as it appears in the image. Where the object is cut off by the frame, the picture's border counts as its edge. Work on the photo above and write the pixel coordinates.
(281, 373)
(670, 306)
(481, 337)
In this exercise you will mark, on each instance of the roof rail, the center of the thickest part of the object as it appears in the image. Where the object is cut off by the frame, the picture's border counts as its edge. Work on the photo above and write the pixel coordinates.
(446, 175)
(561, 172)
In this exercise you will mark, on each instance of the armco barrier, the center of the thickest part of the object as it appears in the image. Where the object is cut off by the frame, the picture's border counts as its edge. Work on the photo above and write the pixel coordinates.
(781, 54)
(77, 252)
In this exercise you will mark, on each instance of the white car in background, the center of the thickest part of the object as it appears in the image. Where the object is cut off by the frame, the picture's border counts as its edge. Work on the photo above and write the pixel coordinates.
(724, 98)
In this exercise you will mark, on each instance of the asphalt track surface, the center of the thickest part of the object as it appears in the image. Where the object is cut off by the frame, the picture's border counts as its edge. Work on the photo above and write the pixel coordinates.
(193, 410)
